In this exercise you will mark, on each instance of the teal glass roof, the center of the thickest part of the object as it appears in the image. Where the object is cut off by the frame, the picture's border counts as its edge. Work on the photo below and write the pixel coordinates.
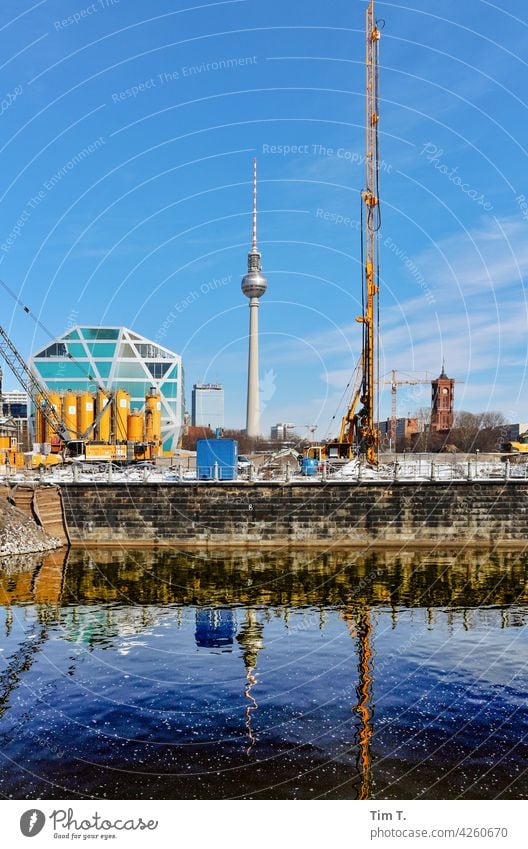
(99, 332)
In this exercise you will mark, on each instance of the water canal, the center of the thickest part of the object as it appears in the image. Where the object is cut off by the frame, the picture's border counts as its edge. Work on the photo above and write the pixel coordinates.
(138, 674)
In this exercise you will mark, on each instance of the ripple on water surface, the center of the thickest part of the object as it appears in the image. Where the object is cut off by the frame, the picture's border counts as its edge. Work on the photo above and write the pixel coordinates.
(171, 675)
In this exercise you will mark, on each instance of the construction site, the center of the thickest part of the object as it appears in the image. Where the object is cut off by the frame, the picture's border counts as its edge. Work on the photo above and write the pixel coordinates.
(189, 609)
(101, 436)
(78, 430)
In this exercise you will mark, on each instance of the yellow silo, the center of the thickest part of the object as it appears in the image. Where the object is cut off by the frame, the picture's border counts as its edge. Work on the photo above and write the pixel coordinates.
(85, 413)
(40, 421)
(56, 402)
(69, 413)
(122, 409)
(103, 428)
(135, 426)
(153, 419)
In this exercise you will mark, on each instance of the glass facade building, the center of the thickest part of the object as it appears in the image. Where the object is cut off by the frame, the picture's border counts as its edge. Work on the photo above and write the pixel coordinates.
(116, 357)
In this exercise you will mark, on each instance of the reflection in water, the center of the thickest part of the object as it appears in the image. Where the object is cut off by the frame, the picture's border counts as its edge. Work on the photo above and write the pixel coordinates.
(41, 583)
(19, 663)
(360, 629)
(457, 581)
(215, 628)
(148, 664)
(364, 706)
(250, 638)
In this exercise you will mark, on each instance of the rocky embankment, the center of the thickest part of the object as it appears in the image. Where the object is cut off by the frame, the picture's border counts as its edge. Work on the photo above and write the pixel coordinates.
(19, 534)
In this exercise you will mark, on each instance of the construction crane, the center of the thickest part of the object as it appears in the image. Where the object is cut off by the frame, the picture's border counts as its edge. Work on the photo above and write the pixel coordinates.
(34, 389)
(40, 396)
(367, 429)
(394, 383)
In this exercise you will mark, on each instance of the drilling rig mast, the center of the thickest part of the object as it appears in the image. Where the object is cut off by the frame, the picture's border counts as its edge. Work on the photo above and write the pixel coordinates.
(360, 433)
(367, 429)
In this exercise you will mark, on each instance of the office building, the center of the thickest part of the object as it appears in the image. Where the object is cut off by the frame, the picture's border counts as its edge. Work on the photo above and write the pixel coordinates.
(283, 432)
(207, 405)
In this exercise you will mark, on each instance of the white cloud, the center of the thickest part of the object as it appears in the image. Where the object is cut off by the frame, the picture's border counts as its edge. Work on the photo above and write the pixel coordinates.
(489, 257)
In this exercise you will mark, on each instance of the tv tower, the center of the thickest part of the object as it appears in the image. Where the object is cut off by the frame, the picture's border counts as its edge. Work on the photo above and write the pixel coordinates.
(254, 284)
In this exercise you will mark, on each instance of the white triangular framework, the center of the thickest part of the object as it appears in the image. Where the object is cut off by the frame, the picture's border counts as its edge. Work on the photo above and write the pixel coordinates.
(116, 357)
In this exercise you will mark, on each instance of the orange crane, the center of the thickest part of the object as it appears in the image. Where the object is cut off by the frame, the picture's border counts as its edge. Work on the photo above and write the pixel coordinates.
(367, 429)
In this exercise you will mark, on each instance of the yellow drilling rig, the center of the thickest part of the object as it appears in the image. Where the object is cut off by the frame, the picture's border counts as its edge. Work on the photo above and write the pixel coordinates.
(359, 431)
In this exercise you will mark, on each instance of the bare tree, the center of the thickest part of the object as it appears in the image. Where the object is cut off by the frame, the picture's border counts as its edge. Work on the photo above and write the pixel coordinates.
(429, 441)
(470, 432)
(478, 431)
(423, 414)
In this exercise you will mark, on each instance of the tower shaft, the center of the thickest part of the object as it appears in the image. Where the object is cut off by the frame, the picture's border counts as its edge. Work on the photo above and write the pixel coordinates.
(253, 394)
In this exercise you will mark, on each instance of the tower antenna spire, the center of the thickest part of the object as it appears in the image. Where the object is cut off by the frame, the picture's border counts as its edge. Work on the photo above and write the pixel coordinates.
(254, 243)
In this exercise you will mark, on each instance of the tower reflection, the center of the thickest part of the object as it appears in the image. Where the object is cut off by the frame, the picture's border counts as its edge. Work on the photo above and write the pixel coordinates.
(250, 638)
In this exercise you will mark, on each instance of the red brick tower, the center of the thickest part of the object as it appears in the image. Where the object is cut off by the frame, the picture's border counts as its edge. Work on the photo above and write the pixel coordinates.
(442, 403)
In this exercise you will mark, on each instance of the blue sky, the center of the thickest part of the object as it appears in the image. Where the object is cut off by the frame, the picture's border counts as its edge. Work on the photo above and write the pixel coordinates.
(127, 144)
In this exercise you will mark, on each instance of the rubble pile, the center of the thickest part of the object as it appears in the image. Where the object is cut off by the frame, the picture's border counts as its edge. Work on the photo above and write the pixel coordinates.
(21, 535)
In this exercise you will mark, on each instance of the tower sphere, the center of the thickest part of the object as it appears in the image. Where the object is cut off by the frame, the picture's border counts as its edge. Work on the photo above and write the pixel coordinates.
(254, 284)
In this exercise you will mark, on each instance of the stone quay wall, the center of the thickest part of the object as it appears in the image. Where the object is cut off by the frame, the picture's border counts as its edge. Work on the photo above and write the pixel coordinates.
(312, 513)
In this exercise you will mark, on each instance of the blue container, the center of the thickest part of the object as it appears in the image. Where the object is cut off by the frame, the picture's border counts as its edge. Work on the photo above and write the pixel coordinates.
(217, 455)
(309, 466)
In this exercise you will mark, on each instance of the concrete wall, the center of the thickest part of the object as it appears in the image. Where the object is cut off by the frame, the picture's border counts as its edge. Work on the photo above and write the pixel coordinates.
(294, 514)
